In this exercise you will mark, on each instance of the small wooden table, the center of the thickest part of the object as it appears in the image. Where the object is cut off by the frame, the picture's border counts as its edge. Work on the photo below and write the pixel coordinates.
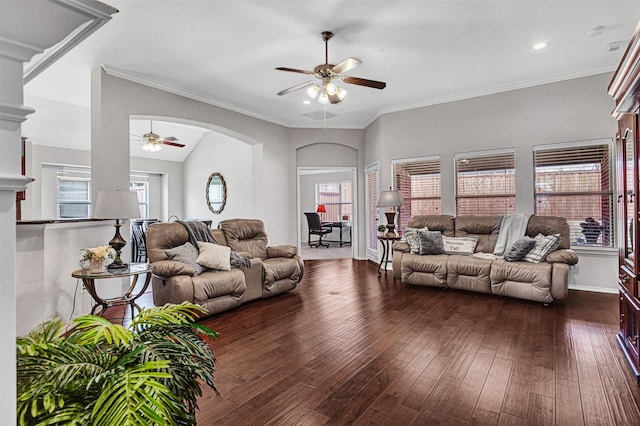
(129, 298)
(386, 250)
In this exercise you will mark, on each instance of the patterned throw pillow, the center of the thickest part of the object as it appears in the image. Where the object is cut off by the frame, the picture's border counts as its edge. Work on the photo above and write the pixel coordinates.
(430, 242)
(186, 254)
(465, 246)
(519, 249)
(544, 245)
(411, 237)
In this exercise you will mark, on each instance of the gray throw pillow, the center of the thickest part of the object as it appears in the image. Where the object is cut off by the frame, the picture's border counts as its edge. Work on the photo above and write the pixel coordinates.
(187, 254)
(519, 249)
(430, 242)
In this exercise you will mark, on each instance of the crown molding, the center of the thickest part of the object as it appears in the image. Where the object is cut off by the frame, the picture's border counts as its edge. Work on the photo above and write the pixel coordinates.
(97, 13)
(490, 91)
(181, 91)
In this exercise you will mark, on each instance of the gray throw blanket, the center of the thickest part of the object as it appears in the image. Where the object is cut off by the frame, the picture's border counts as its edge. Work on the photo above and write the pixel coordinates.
(513, 228)
(199, 231)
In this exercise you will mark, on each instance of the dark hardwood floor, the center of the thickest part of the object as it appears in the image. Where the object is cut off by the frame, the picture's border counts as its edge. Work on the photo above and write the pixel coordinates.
(349, 347)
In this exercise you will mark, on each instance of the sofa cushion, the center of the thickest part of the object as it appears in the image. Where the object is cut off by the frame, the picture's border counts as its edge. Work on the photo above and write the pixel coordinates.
(547, 225)
(214, 256)
(469, 273)
(519, 249)
(411, 237)
(424, 270)
(246, 235)
(460, 245)
(212, 284)
(486, 228)
(430, 242)
(186, 253)
(530, 281)
(544, 245)
(443, 223)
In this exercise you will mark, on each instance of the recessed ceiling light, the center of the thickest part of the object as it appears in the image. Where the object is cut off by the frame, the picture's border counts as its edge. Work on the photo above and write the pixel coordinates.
(306, 101)
(540, 45)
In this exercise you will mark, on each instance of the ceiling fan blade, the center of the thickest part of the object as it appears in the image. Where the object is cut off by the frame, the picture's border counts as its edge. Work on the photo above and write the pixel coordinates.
(297, 87)
(296, 70)
(166, 142)
(364, 82)
(170, 139)
(346, 65)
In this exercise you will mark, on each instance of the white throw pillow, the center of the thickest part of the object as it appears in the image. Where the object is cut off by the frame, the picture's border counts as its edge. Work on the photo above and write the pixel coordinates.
(460, 245)
(214, 256)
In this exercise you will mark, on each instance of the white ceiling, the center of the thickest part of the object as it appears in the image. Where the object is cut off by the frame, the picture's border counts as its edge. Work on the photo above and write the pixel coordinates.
(224, 52)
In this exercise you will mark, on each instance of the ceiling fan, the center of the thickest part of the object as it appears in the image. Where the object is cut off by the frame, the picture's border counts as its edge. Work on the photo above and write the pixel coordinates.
(326, 90)
(153, 141)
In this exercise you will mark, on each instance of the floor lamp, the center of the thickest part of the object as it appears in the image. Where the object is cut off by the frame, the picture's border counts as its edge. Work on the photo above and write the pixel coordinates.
(117, 205)
(391, 199)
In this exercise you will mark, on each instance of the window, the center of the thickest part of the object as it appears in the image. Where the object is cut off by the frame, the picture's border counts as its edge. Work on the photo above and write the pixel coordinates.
(74, 197)
(418, 180)
(575, 181)
(141, 188)
(336, 197)
(486, 183)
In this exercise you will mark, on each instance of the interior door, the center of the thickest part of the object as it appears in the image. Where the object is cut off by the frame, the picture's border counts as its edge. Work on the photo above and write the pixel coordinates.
(372, 189)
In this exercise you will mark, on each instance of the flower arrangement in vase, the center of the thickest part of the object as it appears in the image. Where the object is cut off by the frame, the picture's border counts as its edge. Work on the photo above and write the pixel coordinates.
(97, 259)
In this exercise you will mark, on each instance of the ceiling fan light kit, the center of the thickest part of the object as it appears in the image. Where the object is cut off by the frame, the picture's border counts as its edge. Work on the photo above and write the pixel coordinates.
(327, 91)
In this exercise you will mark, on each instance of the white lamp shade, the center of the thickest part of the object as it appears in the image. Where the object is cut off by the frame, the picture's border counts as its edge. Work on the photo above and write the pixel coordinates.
(116, 205)
(390, 199)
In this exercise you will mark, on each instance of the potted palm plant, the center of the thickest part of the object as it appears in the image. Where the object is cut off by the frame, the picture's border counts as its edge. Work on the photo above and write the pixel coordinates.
(99, 373)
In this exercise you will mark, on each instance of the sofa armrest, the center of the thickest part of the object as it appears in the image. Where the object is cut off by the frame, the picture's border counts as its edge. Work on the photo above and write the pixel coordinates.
(244, 254)
(170, 268)
(281, 251)
(402, 246)
(567, 256)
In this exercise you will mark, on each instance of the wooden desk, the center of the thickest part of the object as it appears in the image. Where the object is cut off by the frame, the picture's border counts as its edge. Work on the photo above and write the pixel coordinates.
(129, 298)
(340, 225)
(386, 250)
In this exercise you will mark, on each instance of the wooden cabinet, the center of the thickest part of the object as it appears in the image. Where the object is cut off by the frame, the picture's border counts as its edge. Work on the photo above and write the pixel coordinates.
(625, 89)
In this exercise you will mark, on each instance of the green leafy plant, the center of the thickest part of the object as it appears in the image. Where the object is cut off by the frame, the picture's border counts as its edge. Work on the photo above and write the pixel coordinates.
(99, 373)
(382, 228)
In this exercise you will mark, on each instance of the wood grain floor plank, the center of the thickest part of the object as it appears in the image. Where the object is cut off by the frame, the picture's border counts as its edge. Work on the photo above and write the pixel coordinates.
(368, 341)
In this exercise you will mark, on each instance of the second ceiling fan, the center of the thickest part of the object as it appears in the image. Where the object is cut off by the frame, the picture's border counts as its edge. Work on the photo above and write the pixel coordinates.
(153, 141)
(326, 90)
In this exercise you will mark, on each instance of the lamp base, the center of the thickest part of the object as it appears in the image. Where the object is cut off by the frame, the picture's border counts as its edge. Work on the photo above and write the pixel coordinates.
(120, 265)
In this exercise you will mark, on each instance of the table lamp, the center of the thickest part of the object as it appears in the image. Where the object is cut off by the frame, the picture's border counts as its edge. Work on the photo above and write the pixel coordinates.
(117, 205)
(321, 209)
(390, 199)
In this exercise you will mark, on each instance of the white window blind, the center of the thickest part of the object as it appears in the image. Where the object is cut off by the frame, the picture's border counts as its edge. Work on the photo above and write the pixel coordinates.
(418, 180)
(73, 192)
(371, 177)
(576, 182)
(337, 200)
(485, 183)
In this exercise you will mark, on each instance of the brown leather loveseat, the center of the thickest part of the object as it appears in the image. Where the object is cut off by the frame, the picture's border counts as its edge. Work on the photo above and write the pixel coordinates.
(273, 270)
(483, 272)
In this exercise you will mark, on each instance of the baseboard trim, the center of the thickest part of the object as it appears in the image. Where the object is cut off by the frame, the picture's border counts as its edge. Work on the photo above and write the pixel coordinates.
(594, 289)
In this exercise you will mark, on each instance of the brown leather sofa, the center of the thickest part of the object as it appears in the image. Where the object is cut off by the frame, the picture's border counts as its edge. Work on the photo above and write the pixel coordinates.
(542, 282)
(273, 270)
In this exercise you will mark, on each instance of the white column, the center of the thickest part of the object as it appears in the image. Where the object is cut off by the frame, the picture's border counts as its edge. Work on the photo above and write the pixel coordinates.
(12, 114)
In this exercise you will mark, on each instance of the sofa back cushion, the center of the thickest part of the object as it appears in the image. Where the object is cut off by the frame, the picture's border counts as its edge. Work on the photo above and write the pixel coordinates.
(163, 236)
(440, 222)
(246, 235)
(486, 228)
(549, 225)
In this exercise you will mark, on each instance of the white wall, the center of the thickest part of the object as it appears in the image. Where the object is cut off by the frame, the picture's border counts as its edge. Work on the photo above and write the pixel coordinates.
(572, 110)
(41, 198)
(231, 158)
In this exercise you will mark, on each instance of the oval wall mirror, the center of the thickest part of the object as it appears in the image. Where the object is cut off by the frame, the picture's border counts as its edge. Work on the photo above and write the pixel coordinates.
(216, 193)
